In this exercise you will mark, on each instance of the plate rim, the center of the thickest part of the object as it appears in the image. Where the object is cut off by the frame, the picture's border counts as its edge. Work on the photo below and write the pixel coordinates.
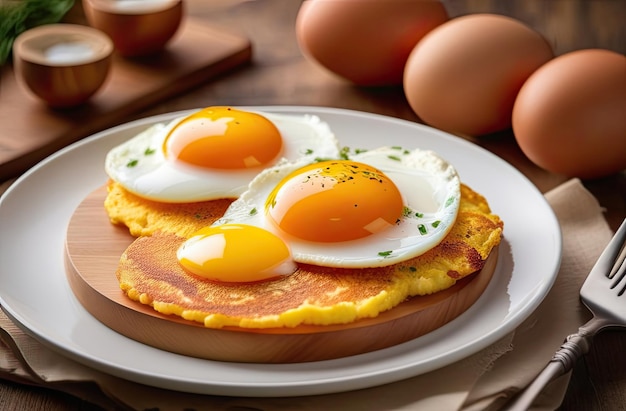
(294, 387)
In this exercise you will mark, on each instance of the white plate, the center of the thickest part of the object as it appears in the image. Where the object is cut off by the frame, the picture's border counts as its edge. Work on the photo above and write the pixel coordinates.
(34, 292)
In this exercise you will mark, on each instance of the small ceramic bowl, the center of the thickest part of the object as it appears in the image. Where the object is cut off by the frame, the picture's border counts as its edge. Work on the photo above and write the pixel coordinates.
(137, 27)
(63, 64)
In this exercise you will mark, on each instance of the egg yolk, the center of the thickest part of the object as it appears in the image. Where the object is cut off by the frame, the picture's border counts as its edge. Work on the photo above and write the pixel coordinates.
(236, 253)
(224, 138)
(334, 201)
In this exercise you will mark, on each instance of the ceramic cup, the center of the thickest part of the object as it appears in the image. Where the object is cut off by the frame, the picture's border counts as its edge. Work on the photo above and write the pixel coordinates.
(137, 27)
(62, 64)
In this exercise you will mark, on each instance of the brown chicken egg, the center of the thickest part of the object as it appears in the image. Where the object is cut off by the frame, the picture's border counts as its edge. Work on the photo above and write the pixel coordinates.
(570, 115)
(365, 41)
(464, 75)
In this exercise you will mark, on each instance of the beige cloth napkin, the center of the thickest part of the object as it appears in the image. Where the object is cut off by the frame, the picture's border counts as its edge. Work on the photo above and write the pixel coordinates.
(481, 382)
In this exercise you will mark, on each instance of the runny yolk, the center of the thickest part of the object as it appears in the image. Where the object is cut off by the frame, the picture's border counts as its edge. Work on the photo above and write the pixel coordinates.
(224, 138)
(236, 253)
(334, 201)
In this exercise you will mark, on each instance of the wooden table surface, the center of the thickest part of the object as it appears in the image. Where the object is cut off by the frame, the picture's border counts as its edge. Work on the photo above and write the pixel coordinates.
(279, 75)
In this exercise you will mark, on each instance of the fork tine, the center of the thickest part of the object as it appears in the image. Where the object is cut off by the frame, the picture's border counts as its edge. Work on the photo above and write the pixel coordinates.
(619, 264)
(606, 264)
(619, 272)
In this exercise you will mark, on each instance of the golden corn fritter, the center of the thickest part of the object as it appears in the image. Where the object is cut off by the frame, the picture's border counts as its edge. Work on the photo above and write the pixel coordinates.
(149, 273)
(145, 217)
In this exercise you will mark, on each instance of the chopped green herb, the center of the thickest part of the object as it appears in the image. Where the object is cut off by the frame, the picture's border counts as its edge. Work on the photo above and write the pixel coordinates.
(132, 163)
(419, 215)
(254, 211)
(385, 253)
(449, 201)
(149, 151)
(396, 147)
(343, 154)
(422, 229)
(308, 151)
(435, 224)
(359, 150)
(396, 158)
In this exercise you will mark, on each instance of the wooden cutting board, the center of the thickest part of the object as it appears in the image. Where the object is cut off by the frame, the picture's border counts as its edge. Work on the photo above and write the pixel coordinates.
(30, 130)
(93, 250)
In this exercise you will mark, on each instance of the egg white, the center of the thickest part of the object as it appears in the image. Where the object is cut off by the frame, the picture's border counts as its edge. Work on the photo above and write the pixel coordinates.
(430, 188)
(141, 167)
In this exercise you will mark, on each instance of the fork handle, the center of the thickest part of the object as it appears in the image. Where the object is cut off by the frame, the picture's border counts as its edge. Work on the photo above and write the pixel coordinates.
(574, 347)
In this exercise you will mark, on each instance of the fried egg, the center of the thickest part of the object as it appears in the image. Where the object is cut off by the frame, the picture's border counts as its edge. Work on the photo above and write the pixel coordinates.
(215, 153)
(375, 208)
(236, 253)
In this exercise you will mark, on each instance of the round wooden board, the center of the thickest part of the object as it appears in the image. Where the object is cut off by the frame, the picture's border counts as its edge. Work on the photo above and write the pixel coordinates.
(93, 250)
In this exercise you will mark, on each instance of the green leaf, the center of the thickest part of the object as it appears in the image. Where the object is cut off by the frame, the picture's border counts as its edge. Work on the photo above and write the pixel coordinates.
(17, 16)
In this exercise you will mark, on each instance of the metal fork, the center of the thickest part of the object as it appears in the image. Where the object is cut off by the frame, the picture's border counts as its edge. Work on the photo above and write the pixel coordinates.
(603, 294)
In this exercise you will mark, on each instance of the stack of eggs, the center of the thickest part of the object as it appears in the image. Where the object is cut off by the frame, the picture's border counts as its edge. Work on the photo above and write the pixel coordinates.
(479, 74)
